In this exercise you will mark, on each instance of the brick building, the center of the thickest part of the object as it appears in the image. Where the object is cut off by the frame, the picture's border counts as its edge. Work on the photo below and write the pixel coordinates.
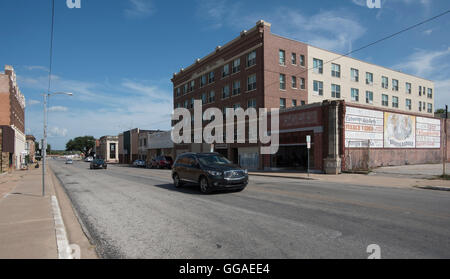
(6, 148)
(12, 113)
(31, 147)
(108, 149)
(262, 70)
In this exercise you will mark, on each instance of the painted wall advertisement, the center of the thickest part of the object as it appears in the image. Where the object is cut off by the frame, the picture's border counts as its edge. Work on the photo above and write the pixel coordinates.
(363, 126)
(380, 129)
(428, 133)
(399, 130)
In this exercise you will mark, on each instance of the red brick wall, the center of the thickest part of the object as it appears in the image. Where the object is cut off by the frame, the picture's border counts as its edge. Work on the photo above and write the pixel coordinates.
(272, 70)
(448, 141)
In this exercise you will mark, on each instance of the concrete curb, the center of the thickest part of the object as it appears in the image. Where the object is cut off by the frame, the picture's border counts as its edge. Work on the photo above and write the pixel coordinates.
(64, 250)
(436, 188)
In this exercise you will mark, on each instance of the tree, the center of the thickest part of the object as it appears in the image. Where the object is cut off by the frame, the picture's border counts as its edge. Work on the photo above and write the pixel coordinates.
(83, 144)
(440, 111)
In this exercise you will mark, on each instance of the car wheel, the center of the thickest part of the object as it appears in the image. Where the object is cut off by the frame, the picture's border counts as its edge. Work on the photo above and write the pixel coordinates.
(176, 181)
(204, 185)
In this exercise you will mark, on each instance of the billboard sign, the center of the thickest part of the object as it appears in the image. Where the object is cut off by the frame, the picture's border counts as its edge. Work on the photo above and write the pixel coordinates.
(428, 133)
(363, 126)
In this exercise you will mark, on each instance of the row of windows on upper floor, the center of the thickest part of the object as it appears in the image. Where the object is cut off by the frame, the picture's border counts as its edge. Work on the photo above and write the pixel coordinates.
(355, 96)
(282, 58)
(354, 76)
(210, 77)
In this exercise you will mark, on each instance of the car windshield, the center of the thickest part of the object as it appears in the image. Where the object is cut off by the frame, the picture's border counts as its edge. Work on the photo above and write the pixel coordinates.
(213, 159)
(99, 161)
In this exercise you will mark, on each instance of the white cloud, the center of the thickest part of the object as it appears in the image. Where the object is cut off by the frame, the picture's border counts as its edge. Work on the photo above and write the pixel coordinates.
(433, 65)
(425, 62)
(55, 132)
(40, 68)
(139, 8)
(32, 102)
(58, 109)
(317, 29)
(428, 32)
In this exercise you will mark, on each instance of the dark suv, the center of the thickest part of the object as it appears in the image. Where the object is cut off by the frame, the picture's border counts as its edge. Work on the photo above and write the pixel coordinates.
(98, 164)
(211, 170)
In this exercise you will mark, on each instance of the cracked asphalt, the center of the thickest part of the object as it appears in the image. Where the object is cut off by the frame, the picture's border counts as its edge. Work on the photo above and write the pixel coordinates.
(137, 213)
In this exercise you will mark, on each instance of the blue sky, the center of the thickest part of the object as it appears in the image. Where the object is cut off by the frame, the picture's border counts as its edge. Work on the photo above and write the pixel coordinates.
(117, 56)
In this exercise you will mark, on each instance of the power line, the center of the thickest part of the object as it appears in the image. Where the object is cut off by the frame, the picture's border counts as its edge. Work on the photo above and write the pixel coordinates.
(51, 47)
(372, 43)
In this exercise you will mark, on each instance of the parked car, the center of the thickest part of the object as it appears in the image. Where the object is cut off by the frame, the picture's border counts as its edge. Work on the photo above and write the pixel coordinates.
(139, 164)
(98, 164)
(211, 170)
(69, 161)
(162, 162)
(89, 159)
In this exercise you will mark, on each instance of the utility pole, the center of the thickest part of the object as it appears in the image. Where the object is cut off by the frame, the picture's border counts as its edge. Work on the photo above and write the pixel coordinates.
(444, 157)
(44, 144)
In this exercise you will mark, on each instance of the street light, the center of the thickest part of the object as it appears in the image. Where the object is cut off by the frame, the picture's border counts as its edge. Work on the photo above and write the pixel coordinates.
(44, 143)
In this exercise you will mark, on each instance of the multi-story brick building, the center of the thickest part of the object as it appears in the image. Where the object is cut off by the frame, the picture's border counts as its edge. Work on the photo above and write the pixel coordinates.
(262, 70)
(12, 112)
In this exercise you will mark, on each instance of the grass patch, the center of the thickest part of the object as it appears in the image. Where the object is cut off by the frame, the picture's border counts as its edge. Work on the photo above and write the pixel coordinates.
(444, 177)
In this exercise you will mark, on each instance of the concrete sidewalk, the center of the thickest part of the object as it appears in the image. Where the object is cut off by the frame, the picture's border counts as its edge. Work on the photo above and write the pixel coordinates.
(381, 179)
(30, 227)
(27, 227)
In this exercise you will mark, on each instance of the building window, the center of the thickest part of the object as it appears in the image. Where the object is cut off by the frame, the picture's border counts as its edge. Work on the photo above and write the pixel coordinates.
(178, 92)
(236, 65)
(282, 57)
(226, 70)
(302, 83)
(355, 95)
(204, 98)
(294, 103)
(394, 102)
(430, 108)
(335, 91)
(251, 103)
(318, 87)
(294, 59)
(354, 74)
(192, 85)
(202, 80)
(186, 103)
(369, 97)
(282, 103)
(318, 66)
(211, 77)
(408, 104)
(385, 100)
(236, 106)
(394, 84)
(212, 97)
(335, 70)
(192, 103)
(251, 82)
(302, 60)
(408, 88)
(226, 92)
(385, 82)
(251, 59)
(302, 103)
(236, 87)
(430, 93)
(420, 90)
(420, 106)
(294, 82)
(186, 88)
(282, 81)
(178, 105)
(369, 78)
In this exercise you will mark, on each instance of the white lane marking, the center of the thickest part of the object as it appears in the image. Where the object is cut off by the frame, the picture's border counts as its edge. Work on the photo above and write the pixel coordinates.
(64, 250)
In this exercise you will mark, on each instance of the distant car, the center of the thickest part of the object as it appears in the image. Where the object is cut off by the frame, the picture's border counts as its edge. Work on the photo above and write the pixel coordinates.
(69, 161)
(98, 164)
(211, 170)
(139, 164)
(162, 162)
(89, 159)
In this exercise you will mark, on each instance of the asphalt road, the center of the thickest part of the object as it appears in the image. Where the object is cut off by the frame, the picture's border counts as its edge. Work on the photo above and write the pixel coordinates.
(137, 213)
